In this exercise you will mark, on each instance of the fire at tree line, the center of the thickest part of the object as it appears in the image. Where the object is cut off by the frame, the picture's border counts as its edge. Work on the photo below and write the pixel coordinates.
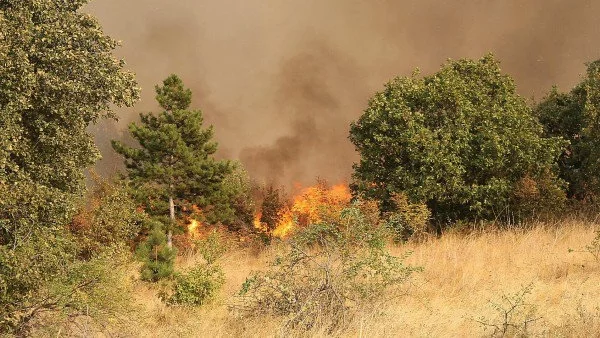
(454, 147)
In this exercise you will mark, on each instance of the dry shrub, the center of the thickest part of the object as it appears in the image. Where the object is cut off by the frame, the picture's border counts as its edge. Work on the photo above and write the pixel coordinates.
(540, 198)
(329, 272)
(514, 316)
(408, 219)
(108, 218)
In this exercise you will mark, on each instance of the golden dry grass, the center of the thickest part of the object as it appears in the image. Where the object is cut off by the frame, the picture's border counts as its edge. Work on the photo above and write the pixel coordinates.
(462, 273)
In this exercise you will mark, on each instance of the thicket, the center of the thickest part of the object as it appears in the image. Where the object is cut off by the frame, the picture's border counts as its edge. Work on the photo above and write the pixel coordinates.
(329, 272)
(107, 217)
(575, 117)
(461, 141)
(200, 284)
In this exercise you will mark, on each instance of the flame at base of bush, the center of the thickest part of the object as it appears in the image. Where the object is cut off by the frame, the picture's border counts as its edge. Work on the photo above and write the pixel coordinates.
(310, 206)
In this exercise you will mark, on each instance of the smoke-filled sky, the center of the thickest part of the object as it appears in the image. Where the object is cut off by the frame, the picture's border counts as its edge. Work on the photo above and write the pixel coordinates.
(281, 80)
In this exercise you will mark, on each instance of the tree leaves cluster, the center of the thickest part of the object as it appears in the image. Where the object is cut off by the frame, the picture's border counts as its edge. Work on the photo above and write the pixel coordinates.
(459, 140)
(575, 117)
(57, 75)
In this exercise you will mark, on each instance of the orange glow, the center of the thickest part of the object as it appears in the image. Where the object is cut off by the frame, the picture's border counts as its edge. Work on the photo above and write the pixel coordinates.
(193, 229)
(258, 224)
(308, 207)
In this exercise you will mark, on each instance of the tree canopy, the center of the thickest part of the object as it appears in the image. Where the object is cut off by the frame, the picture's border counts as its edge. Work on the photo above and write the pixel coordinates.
(175, 158)
(57, 76)
(575, 117)
(460, 140)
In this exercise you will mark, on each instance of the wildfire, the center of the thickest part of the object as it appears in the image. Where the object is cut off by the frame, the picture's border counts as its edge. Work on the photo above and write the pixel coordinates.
(308, 207)
(193, 229)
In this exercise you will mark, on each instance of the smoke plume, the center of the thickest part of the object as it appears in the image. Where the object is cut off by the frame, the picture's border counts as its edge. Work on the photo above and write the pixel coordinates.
(281, 80)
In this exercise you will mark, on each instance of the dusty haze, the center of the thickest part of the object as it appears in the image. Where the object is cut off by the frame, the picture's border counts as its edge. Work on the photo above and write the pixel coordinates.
(281, 80)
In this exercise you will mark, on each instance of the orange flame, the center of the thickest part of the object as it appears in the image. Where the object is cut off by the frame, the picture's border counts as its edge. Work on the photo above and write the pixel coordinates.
(193, 230)
(308, 207)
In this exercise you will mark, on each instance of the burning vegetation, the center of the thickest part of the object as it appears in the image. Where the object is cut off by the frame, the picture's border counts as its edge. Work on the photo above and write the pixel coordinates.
(310, 205)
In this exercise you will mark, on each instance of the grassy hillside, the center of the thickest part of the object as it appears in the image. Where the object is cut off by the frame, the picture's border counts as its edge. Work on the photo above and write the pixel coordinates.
(464, 275)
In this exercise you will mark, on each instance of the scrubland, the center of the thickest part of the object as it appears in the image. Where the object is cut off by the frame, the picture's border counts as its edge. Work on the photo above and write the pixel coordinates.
(469, 282)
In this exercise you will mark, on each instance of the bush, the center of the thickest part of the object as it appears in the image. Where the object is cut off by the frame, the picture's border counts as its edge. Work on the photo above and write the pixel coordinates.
(458, 140)
(575, 117)
(239, 188)
(45, 285)
(158, 259)
(329, 271)
(197, 286)
(407, 219)
(108, 218)
(212, 247)
(514, 316)
(272, 203)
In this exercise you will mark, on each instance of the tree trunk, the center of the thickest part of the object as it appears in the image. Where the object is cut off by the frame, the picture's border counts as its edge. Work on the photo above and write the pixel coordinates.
(172, 214)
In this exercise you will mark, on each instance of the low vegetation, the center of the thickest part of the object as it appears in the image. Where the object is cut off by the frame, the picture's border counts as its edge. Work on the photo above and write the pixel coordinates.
(326, 274)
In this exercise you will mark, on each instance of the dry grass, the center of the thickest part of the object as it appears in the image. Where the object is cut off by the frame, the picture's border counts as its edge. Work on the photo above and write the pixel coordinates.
(462, 273)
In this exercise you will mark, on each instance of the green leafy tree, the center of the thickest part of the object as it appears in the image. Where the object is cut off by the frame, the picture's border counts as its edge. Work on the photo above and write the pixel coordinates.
(459, 140)
(57, 76)
(575, 116)
(175, 164)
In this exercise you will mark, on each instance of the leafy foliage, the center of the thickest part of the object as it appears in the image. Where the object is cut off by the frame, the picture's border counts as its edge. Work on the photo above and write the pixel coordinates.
(212, 247)
(329, 271)
(157, 257)
(58, 75)
(575, 116)
(240, 189)
(407, 219)
(458, 140)
(176, 158)
(197, 286)
(109, 218)
(43, 276)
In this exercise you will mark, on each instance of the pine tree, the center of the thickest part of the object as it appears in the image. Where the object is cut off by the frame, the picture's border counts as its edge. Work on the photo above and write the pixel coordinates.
(174, 169)
(157, 257)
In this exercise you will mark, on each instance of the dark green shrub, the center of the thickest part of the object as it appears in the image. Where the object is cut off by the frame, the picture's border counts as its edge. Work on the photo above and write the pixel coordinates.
(575, 116)
(197, 286)
(329, 272)
(458, 140)
(158, 259)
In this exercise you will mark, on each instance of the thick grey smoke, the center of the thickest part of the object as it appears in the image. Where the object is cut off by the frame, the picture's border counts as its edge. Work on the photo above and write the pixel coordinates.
(281, 80)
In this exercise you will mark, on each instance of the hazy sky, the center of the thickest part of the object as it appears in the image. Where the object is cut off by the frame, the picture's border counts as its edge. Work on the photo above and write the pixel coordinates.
(281, 80)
